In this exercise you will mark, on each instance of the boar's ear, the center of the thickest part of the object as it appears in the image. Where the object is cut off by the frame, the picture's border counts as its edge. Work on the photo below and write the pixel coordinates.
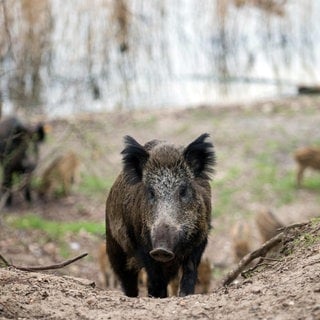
(134, 158)
(200, 157)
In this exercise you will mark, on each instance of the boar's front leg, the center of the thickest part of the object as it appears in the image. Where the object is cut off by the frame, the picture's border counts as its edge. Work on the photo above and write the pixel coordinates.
(157, 282)
(159, 276)
(127, 276)
(190, 271)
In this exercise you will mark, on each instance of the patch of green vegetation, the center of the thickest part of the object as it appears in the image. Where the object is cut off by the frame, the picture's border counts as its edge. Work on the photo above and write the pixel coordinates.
(218, 273)
(92, 184)
(35, 182)
(224, 189)
(306, 239)
(270, 176)
(284, 188)
(201, 113)
(315, 221)
(310, 239)
(311, 182)
(182, 129)
(56, 229)
(145, 122)
(64, 249)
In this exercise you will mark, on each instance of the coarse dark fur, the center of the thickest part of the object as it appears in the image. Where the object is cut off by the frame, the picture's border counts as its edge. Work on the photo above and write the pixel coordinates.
(203, 280)
(18, 153)
(158, 214)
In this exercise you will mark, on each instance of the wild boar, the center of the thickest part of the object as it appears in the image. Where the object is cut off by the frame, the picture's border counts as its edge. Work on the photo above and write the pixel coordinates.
(241, 239)
(307, 157)
(268, 225)
(61, 173)
(158, 214)
(18, 153)
(203, 281)
(109, 278)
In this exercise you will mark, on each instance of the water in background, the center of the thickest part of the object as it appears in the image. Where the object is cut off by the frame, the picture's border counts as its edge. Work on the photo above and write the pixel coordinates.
(62, 57)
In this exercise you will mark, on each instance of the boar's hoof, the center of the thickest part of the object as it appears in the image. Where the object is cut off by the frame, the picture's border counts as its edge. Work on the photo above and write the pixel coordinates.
(162, 254)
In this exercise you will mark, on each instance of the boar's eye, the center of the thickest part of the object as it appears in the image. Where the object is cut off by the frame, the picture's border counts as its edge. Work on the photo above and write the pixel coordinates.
(151, 194)
(184, 192)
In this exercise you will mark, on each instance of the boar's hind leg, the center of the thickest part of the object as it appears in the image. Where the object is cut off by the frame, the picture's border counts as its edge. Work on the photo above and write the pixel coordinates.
(27, 191)
(128, 277)
(6, 185)
(300, 175)
(190, 272)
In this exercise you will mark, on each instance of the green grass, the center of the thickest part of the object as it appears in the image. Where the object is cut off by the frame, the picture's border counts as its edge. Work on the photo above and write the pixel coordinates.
(311, 183)
(315, 221)
(272, 181)
(223, 191)
(305, 239)
(265, 180)
(56, 229)
(146, 122)
(91, 185)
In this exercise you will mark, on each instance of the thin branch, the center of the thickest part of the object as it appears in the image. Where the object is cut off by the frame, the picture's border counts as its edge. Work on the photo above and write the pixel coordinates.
(270, 259)
(260, 263)
(260, 252)
(232, 275)
(311, 263)
(6, 263)
(292, 226)
(42, 268)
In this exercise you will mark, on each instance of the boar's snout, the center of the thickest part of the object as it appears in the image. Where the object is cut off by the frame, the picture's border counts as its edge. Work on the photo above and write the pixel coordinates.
(164, 239)
(162, 254)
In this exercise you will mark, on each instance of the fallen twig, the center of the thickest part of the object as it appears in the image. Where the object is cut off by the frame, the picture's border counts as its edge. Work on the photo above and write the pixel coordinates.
(260, 252)
(251, 256)
(311, 263)
(292, 226)
(259, 264)
(6, 263)
(42, 268)
(270, 259)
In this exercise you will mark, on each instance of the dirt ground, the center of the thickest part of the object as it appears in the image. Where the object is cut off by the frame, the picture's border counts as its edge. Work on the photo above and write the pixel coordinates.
(285, 288)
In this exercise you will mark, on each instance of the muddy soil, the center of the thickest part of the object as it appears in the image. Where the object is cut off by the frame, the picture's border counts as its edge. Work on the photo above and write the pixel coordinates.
(288, 288)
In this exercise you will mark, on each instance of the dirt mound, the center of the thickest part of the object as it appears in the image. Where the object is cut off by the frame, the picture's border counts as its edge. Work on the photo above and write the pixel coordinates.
(287, 287)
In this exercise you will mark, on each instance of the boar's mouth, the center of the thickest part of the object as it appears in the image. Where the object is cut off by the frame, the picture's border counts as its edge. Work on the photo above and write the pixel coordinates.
(162, 254)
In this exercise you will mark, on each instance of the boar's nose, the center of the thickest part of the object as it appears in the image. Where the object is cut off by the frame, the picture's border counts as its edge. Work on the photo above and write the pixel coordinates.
(162, 254)
(164, 238)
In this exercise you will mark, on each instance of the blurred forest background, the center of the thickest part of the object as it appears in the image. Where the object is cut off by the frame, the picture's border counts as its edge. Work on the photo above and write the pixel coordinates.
(61, 57)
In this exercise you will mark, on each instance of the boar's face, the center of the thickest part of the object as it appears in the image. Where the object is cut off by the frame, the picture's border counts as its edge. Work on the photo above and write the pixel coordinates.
(169, 176)
(19, 144)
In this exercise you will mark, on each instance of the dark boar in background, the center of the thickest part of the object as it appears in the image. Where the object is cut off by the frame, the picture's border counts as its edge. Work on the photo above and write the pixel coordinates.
(18, 153)
(158, 214)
